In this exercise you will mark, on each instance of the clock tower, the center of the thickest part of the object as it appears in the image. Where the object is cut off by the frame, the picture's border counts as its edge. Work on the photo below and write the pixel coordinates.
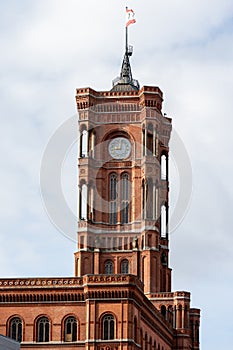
(123, 182)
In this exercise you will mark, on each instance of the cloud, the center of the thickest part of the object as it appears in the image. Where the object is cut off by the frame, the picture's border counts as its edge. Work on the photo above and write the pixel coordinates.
(48, 48)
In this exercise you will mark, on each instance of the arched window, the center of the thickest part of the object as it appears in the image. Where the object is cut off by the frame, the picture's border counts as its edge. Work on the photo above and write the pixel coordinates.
(143, 269)
(150, 343)
(163, 310)
(150, 139)
(91, 203)
(163, 219)
(91, 142)
(43, 329)
(144, 199)
(125, 198)
(113, 199)
(108, 327)
(163, 167)
(156, 201)
(15, 329)
(125, 266)
(84, 144)
(149, 204)
(179, 318)
(70, 331)
(170, 314)
(142, 242)
(143, 141)
(141, 338)
(108, 267)
(164, 259)
(146, 342)
(83, 202)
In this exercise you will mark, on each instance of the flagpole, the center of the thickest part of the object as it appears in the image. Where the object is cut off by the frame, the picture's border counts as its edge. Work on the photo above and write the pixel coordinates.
(126, 36)
(126, 40)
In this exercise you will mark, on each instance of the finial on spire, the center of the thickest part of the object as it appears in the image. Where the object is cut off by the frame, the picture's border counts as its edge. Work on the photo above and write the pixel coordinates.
(126, 82)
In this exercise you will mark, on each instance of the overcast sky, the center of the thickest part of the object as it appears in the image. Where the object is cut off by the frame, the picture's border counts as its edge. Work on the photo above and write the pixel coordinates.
(49, 48)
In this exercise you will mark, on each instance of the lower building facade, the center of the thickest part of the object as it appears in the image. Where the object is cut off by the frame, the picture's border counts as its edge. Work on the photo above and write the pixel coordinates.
(96, 312)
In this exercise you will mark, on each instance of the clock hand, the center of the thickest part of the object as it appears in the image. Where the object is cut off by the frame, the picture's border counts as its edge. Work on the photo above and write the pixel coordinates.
(119, 145)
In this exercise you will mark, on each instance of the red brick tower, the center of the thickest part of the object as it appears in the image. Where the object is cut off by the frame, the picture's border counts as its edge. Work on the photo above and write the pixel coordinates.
(123, 180)
(122, 185)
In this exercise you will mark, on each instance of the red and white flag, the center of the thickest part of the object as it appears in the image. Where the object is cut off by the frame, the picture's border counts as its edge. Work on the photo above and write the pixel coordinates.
(130, 17)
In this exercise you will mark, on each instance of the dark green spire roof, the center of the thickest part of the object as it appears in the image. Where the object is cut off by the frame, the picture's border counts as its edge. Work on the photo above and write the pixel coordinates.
(126, 82)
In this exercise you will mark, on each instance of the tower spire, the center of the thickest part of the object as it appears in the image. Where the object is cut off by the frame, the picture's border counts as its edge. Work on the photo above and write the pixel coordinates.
(126, 82)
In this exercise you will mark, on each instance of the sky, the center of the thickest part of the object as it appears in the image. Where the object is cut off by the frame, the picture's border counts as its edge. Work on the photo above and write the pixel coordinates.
(50, 48)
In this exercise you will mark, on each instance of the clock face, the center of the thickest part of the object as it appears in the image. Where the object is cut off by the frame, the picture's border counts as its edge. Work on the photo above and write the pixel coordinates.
(119, 148)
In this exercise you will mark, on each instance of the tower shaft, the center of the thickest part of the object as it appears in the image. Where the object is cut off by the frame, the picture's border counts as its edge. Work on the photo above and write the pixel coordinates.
(121, 217)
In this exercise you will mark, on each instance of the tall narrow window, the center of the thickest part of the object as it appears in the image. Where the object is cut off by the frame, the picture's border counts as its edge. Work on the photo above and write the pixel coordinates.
(143, 268)
(83, 202)
(91, 205)
(163, 219)
(125, 266)
(108, 267)
(163, 311)
(84, 144)
(143, 141)
(179, 312)
(170, 314)
(164, 259)
(144, 198)
(125, 199)
(146, 342)
(197, 332)
(135, 330)
(91, 142)
(16, 329)
(141, 338)
(108, 327)
(113, 199)
(192, 327)
(150, 139)
(150, 343)
(163, 167)
(70, 333)
(149, 214)
(43, 329)
(156, 201)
